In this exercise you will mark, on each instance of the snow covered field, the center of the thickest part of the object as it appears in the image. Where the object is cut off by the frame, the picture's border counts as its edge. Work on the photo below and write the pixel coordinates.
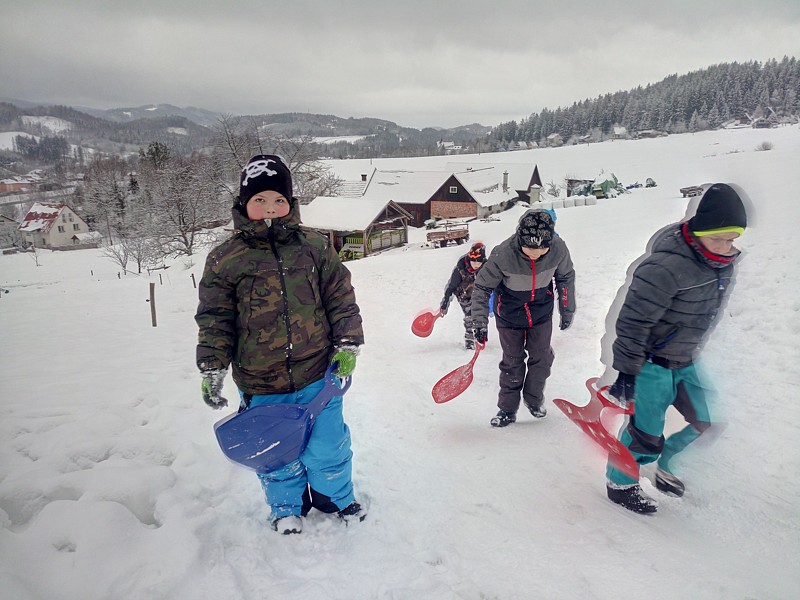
(112, 486)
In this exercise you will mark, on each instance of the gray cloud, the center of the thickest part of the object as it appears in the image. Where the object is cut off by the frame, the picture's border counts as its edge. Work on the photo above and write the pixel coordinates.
(417, 63)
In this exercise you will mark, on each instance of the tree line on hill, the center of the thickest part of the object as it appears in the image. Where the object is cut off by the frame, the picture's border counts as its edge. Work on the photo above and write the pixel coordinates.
(700, 100)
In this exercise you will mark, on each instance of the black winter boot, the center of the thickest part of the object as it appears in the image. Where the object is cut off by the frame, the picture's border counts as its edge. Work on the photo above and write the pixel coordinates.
(632, 498)
(352, 513)
(668, 483)
(538, 412)
(503, 419)
(288, 525)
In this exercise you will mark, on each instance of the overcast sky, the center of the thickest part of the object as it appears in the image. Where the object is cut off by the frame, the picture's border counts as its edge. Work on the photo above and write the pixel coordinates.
(416, 62)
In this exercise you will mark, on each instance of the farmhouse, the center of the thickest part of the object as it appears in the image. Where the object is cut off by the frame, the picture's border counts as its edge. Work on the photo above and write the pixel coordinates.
(55, 226)
(357, 227)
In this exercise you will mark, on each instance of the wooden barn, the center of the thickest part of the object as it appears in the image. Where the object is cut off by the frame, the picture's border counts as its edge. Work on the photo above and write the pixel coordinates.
(357, 227)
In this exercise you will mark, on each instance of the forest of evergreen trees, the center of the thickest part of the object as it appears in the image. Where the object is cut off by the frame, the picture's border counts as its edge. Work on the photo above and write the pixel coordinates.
(699, 100)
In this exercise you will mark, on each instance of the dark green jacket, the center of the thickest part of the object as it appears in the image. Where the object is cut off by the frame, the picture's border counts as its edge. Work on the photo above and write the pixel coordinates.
(274, 300)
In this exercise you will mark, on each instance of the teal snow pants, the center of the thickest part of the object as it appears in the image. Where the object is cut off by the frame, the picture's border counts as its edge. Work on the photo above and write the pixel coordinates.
(657, 389)
(322, 477)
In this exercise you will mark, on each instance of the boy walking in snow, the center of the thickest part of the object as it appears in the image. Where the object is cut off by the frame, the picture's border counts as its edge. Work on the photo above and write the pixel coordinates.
(673, 300)
(461, 284)
(277, 304)
(521, 272)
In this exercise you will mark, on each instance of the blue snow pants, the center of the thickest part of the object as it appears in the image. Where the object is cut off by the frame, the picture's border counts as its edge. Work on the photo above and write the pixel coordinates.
(325, 466)
(657, 389)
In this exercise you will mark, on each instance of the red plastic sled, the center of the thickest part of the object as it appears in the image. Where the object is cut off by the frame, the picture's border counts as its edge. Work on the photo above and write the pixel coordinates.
(588, 419)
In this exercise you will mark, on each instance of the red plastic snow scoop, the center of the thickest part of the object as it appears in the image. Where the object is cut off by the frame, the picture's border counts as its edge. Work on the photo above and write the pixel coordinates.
(423, 323)
(456, 381)
(588, 419)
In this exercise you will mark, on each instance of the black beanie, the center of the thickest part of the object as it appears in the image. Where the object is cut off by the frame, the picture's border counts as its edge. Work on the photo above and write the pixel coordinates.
(265, 172)
(535, 230)
(720, 210)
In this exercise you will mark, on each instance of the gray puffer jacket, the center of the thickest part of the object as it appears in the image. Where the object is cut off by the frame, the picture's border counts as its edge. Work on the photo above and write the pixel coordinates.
(523, 288)
(672, 302)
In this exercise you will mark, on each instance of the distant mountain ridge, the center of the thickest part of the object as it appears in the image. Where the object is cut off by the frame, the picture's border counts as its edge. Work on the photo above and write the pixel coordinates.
(188, 129)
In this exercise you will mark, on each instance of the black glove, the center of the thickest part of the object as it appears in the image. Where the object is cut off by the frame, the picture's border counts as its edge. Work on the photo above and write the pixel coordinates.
(444, 305)
(212, 387)
(565, 323)
(624, 388)
(480, 334)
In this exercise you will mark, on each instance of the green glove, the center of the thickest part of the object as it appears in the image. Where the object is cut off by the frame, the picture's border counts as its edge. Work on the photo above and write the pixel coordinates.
(212, 387)
(346, 355)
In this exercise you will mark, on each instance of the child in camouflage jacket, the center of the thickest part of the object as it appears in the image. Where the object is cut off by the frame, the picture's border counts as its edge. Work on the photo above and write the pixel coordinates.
(277, 304)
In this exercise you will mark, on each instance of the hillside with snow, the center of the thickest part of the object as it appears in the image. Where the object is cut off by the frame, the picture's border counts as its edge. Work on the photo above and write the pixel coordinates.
(112, 485)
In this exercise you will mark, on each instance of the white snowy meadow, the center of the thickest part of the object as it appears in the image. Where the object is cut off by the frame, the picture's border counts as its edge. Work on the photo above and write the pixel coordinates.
(112, 485)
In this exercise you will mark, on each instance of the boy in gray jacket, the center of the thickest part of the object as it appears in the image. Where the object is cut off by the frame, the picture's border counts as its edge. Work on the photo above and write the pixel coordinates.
(521, 272)
(673, 300)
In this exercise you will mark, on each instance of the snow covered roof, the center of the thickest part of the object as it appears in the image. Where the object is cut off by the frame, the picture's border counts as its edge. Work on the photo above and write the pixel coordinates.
(352, 189)
(339, 213)
(41, 217)
(485, 187)
(91, 236)
(519, 174)
(408, 187)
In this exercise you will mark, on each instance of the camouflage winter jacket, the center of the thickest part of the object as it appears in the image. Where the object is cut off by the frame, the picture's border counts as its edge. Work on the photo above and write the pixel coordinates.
(274, 300)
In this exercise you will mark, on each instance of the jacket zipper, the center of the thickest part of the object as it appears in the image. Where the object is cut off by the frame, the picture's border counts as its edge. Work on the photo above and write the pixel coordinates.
(533, 293)
(286, 319)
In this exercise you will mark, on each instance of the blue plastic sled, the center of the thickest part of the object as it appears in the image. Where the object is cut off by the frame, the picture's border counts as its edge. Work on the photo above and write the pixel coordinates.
(270, 436)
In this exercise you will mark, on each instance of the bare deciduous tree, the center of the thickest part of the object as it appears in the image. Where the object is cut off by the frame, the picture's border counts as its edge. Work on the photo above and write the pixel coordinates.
(239, 138)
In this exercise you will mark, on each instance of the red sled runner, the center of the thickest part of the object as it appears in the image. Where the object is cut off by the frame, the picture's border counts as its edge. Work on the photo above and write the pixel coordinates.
(588, 419)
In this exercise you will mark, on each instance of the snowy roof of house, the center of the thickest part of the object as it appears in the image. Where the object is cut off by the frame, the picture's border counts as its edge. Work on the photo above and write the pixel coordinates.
(519, 174)
(41, 217)
(486, 186)
(352, 189)
(408, 187)
(91, 236)
(339, 213)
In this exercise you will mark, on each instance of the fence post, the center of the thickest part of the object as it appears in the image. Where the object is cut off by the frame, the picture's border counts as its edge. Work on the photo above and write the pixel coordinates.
(194, 283)
(153, 303)
(160, 280)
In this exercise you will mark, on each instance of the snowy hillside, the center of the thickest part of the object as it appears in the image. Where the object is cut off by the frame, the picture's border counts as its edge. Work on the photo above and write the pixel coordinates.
(112, 486)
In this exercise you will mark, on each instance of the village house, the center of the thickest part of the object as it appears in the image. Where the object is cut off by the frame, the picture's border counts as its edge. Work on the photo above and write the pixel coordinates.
(56, 226)
(462, 190)
(554, 140)
(620, 133)
(357, 227)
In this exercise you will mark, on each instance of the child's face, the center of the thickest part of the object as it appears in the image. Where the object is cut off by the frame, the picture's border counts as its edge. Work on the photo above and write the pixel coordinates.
(475, 264)
(534, 253)
(267, 205)
(719, 243)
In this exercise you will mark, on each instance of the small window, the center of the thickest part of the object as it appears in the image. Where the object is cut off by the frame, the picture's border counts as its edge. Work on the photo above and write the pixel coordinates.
(453, 189)
(64, 218)
(70, 218)
(76, 227)
(61, 229)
